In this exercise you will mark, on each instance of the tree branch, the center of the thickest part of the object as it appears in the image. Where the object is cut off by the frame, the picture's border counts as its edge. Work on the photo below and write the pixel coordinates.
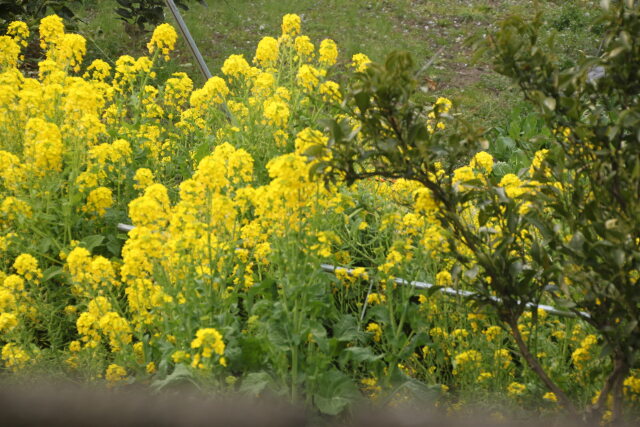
(534, 364)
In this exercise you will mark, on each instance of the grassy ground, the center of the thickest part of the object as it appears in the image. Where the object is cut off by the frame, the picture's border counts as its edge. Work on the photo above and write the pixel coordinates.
(374, 27)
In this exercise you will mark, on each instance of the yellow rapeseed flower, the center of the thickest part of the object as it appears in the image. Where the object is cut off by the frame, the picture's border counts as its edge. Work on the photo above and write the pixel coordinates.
(330, 92)
(164, 39)
(424, 201)
(9, 53)
(482, 161)
(443, 105)
(632, 388)
(143, 178)
(360, 273)
(470, 359)
(236, 66)
(180, 356)
(14, 283)
(98, 201)
(43, 148)
(69, 51)
(267, 52)
(115, 374)
(328, 52)
(14, 357)
(512, 185)
(538, 159)
(376, 330)
(376, 298)
(484, 376)
(502, 357)
(152, 209)
(276, 112)
(443, 278)
(462, 175)
(8, 321)
(209, 341)
(360, 62)
(214, 90)
(27, 266)
(19, 31)
(13, 171)
(370, 387)
(116, 328)
(99, 70)
(51, 30)
(303, 46)
(290, 25)
(492, 332)
(516, 389)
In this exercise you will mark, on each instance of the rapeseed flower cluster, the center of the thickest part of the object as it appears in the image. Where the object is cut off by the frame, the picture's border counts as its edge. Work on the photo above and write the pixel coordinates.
(163, 40)
(14, 357)
(209, 341)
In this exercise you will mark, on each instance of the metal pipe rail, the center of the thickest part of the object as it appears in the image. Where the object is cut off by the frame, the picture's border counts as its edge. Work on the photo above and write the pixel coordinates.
(187, 36)
(333, 269)
(458, 292)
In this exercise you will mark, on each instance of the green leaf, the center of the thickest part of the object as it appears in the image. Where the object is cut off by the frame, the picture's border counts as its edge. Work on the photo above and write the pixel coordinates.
(255, 383)
(363, 101)
(51, 272)
(44, 245)
(201, 151)
(180, 375)
(361, 354)
(515, 268)
(92, 242)
(124, 13)
(550, 103)
(335, 392)
(419, 391)
(114, 246)
(346, 329)
(618, 257)
(432, 290)
(472, 272)
(577, 242)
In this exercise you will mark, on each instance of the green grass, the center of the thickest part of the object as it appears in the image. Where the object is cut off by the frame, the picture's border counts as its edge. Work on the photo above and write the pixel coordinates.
(375, 27)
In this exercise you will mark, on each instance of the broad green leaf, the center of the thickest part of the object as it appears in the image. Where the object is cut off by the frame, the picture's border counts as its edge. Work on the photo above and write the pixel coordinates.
(335, 392)
(255, 383)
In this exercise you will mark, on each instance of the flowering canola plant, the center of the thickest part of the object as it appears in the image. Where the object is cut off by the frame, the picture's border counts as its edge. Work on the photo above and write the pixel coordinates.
(219, 275)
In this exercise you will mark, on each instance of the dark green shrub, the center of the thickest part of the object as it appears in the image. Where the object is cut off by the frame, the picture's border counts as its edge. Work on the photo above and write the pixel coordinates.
(31, 11)
(145, 14)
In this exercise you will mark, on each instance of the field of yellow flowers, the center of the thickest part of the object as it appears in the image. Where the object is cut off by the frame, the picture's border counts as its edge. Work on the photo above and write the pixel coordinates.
(219, 284)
